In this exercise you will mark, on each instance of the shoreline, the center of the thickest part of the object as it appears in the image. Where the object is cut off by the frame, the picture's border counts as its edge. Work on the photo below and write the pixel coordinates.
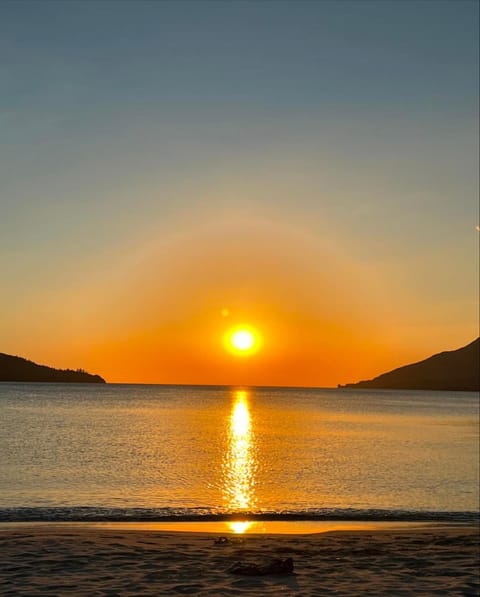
(103, 559)
(240, 527)
(160, 515)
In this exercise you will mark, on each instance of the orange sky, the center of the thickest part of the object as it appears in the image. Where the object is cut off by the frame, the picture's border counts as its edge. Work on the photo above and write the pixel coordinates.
(157, 315)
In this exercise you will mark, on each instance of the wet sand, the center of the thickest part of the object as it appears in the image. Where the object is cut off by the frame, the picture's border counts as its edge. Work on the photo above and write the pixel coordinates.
(83, 560)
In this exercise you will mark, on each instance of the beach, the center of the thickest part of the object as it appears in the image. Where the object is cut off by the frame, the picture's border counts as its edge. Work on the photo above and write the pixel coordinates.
(95, 560)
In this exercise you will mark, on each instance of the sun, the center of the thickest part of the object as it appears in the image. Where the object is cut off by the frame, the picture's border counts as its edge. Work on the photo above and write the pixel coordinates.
(242, 340)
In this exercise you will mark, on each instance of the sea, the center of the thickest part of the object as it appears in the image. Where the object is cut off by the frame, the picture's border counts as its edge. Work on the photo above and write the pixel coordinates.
(114, 452)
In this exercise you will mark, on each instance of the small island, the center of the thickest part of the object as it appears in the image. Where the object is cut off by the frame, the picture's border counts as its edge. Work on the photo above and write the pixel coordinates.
(18, 369)
(454, 370)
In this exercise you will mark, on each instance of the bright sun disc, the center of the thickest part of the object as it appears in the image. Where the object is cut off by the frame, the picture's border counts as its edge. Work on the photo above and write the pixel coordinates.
(242, 341)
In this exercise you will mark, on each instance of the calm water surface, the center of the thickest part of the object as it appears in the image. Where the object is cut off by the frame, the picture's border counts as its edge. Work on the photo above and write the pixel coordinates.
(197, 450)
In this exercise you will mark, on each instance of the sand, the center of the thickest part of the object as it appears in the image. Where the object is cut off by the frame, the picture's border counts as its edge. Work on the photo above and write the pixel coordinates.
(95, 561)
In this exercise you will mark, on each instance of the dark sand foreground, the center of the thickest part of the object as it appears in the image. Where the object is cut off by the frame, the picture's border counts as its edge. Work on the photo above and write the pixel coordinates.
(89, 561)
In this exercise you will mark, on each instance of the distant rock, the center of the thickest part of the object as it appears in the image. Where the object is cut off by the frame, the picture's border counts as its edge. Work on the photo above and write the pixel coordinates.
(454, 370)
(19, 369)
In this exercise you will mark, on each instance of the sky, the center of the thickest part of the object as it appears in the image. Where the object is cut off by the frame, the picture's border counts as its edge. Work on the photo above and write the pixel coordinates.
(309, 167)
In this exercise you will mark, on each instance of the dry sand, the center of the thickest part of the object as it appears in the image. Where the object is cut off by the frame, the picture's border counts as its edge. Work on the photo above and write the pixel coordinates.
(94, 561)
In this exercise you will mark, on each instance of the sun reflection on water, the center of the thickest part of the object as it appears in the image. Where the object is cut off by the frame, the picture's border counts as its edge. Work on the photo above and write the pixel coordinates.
(239, 464)
(239, 526)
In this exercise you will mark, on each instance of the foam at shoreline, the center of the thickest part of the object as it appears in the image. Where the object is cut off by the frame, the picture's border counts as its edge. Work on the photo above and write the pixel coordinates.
(101, 514)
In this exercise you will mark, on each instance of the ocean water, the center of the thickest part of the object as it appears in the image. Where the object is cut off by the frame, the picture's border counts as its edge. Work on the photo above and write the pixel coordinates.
(147, 452)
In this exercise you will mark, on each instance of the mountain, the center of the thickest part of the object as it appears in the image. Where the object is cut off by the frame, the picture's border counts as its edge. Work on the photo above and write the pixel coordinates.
(18, 369)
(454, 370)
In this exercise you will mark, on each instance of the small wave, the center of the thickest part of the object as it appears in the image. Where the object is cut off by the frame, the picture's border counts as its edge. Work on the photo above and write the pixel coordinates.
(94, 514)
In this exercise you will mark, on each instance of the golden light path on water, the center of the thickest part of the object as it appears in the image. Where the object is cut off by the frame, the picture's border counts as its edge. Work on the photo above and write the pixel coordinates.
(240, 462)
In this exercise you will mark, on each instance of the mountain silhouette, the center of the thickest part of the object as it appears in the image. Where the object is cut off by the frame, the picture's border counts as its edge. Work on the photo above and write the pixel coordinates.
(19, 369)
(454, 370)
